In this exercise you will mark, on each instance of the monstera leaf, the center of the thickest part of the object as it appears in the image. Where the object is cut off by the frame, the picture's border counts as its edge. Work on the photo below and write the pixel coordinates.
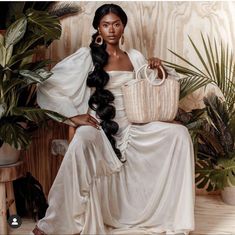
(214, 178)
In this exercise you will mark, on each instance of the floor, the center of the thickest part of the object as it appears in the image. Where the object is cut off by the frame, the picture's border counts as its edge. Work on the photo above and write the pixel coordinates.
(212, 217)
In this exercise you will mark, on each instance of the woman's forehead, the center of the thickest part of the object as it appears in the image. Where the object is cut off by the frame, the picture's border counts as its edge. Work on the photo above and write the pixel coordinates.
(110, 17)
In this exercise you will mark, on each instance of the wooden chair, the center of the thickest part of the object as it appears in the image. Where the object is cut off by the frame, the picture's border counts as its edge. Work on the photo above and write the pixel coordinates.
(8, 173)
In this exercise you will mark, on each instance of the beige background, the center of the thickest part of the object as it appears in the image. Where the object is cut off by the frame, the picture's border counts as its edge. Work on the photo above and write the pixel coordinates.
(153, 28)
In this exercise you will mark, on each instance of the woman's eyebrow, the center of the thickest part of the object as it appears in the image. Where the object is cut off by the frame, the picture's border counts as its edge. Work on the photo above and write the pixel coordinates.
(107, 22)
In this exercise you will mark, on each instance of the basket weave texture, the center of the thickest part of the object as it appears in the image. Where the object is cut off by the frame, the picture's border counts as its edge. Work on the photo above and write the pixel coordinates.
(146, 101)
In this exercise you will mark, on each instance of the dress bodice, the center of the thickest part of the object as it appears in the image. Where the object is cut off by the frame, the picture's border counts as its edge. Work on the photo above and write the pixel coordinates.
(116, 81)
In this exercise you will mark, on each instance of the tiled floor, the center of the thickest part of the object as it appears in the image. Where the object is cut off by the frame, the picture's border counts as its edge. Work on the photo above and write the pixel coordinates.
(212, 217)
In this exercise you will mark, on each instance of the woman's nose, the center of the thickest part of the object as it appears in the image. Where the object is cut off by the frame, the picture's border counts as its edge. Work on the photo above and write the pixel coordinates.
(111, 29)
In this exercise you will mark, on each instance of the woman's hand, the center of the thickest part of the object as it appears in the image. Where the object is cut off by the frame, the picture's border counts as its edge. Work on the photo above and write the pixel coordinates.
(156, 63)
(85, 120)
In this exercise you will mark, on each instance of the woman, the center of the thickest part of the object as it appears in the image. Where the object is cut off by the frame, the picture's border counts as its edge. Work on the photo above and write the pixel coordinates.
(116, 177)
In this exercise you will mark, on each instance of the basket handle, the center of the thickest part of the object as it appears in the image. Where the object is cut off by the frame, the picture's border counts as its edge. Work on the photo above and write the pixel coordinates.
(145, 66)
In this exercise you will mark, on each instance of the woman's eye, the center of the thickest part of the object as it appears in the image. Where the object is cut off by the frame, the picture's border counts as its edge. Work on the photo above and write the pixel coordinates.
(117, 25)
(105, 25)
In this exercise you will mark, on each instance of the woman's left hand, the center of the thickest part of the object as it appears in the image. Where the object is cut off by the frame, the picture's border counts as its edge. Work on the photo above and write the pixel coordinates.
(155, 63)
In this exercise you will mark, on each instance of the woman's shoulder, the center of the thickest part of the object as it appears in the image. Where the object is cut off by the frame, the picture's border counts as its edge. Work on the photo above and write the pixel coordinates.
(136, 57)
(135, 53)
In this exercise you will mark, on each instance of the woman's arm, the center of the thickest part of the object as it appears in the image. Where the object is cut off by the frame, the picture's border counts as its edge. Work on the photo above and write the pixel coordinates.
(84, 120)
(66, 91)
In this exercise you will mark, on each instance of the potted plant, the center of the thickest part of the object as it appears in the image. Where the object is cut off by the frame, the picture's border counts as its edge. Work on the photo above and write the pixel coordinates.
(19, 75)
(213, 127)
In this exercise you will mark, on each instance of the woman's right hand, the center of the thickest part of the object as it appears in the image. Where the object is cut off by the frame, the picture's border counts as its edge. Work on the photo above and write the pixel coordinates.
(85, 120)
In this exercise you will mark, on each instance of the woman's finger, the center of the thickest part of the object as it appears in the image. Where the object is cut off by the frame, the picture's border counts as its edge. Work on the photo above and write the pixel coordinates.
(93, 125)
(94, 120)
(154, 63)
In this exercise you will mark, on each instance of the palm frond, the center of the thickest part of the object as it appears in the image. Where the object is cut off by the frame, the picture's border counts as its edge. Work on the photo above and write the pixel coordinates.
(192, 83)
(219, 66)
(61, 9)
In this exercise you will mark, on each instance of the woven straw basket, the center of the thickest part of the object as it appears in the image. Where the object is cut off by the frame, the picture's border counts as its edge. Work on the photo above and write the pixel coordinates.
(147, 101)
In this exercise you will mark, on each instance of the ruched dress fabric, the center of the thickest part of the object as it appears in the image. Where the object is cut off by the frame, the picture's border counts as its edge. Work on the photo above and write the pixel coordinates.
(94, 193)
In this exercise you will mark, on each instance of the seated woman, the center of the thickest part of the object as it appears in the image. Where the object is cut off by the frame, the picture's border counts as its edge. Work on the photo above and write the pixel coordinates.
(116, 177)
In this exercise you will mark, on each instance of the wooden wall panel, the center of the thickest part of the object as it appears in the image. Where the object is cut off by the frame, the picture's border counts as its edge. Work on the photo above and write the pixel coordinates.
(153, 28)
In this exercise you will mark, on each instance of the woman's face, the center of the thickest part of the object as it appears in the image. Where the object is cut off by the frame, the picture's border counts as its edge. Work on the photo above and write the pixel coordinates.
(111, 28)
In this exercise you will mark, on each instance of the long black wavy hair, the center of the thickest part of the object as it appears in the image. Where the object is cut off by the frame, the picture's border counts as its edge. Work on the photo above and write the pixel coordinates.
(102, 99)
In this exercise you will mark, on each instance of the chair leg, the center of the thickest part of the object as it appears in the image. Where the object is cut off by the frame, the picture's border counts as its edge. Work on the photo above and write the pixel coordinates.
(11, 197)
(3, 212)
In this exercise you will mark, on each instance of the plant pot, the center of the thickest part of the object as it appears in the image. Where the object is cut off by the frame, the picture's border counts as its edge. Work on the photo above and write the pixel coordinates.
(228, 195)
(8, 154)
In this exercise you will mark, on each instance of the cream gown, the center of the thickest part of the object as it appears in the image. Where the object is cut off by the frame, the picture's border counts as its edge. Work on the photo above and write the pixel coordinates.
(93, 192)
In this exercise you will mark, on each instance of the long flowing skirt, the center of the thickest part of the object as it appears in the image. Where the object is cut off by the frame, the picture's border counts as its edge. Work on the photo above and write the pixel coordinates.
(152, 192)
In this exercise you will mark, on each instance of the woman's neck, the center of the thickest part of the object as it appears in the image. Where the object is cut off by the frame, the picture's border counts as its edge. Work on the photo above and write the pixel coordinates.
(113, 50)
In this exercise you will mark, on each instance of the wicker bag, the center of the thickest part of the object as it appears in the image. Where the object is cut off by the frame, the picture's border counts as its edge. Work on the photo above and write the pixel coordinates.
(147, 101)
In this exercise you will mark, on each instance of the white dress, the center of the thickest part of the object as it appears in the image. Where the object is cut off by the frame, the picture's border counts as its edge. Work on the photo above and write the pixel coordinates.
(93, 192)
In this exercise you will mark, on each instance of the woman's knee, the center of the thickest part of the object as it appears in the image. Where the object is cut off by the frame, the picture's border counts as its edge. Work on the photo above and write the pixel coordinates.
(179, 131)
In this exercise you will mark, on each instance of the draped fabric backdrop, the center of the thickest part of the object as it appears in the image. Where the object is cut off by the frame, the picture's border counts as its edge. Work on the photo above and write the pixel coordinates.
(153, 28)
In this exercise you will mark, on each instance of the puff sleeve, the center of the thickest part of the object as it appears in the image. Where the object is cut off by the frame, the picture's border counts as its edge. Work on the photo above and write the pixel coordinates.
(66, 91)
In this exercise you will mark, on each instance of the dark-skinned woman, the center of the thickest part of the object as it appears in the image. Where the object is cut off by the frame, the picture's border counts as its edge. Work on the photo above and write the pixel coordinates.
(116, 177)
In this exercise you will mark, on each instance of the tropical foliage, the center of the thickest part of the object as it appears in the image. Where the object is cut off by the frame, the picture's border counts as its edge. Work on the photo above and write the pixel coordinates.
(11, 11)
(213, 127)
(20, 72)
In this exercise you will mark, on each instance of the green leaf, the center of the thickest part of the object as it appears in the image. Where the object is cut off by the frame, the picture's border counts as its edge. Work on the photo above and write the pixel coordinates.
(15, 32)
(3, 53)
(36, 65)
(15, 135)
(8, 85)
(219, 64)
(9, 53)
(189, 63)
(231, 177)
(56, 116)
(209, 138)
(19, 57)
(201, 59)
(42, 23)
(1, 40)
(28, 43)
(38, 76)
(3, 109)
(38, 115)
(191, 84)
(44, 73)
